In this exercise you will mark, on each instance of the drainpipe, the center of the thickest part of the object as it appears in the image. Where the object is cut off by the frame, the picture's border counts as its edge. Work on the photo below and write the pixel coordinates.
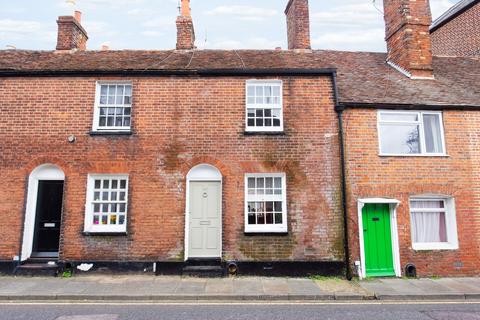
(339, 109)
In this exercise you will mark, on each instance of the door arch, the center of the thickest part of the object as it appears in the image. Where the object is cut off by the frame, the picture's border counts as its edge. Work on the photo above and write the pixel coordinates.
(43, 173)
(203, 212)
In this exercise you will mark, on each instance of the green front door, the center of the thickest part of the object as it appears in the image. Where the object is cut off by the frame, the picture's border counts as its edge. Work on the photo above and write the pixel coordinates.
(377, 238)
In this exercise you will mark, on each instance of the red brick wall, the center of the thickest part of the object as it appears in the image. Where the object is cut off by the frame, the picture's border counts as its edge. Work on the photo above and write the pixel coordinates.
(178, 122)
(370, 175)
(460, 36)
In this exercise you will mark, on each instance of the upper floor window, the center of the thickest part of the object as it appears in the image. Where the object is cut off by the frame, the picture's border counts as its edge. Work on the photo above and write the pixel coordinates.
(107, 201)
(264, 105)
(265, 203)
(433, 223)
(411, 133)
(113, 106)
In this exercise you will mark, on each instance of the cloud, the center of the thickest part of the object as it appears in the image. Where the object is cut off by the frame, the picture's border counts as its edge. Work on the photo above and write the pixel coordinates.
(440, 6)
(371, 40)
(350, 15)
(251, 43)
(248, 13)
(150, 33)
(160, 22)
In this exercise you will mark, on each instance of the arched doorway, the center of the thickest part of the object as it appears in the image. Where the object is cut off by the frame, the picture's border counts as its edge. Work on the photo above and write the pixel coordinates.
(203, 214)
(41, 233)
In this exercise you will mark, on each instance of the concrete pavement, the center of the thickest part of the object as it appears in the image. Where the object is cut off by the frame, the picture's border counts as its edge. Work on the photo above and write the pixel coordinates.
(151, 288)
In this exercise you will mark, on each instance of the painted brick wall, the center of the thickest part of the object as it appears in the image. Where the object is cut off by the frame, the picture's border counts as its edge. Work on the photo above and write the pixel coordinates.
(178, 122)
(460, 36)
(457, 175)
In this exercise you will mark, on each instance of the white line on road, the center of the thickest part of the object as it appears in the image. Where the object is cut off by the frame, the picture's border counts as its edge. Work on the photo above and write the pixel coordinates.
(236, 303)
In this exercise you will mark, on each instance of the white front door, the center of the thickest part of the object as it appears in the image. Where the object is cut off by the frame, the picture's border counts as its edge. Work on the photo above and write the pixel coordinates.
(205, 220)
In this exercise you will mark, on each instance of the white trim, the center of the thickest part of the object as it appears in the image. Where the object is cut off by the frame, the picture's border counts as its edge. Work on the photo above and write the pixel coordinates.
(275, 228)
(96, 108)
(88, 219)
(393, 204)
(450, 223)
(207, 173)
(43, 172)
(407, 73)
(280, 106)
(420, 123)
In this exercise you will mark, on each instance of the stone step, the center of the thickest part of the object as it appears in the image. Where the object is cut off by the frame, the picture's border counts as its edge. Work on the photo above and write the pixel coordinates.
(37, 267)
(203, 271)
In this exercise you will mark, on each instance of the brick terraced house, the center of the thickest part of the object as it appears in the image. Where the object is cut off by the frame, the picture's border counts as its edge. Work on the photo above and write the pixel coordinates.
(272, 162)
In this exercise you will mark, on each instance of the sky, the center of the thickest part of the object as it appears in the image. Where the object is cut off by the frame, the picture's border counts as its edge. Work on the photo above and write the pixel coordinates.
(353, 25)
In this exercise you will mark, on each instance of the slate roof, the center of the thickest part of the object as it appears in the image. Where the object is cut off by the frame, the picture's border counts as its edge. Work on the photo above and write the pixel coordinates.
(363, 77)
(451, 13)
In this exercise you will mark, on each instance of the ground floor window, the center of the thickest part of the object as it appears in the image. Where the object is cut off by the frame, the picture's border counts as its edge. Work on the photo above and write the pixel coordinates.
(265, 203)
(107, 201)
(433, 223)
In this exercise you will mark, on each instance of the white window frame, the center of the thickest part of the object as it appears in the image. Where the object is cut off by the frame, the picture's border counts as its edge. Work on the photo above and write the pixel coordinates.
(96, 114)
(272, 82)
(266, 228)
(450, 223)
(420, 114)
(90, 227)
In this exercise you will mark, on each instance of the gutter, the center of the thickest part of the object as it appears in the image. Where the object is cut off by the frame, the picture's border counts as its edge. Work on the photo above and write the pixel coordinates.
(339, 109)
(405, 106)
(170, 72)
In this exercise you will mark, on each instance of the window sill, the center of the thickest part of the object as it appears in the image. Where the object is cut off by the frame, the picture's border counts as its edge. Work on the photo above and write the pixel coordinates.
(434, 247)
(265, 233)
(104, 234)
(264, 133)
(385, 155)
(111, 133)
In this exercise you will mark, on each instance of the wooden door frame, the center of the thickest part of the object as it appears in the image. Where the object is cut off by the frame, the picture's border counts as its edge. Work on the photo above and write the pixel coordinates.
(392, 204)
(45, 172)
(202, 173)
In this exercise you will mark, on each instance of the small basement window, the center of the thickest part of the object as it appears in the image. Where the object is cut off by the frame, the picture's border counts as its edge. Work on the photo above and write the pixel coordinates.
(264, 106)
(107, 203)
(113, 107)
(265, 203)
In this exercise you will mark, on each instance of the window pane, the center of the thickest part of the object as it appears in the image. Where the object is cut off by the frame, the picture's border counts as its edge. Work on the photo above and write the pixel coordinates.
(278, 218)
(400, 139)
(251, 91)
(431, 204)
(429, 227)
(251, 183)
(103, 90)
(276, 91)
(433, 134)
(388, 116)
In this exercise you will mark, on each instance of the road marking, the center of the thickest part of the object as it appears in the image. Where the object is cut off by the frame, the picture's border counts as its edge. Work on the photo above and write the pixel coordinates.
(236, 303)
(90, 317)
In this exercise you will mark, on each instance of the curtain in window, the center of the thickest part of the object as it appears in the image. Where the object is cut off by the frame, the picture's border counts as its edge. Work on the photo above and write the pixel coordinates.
(433, 141)
(428, 226)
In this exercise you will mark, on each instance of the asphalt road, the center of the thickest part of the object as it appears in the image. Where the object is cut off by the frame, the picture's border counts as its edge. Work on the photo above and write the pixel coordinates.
(238, 311)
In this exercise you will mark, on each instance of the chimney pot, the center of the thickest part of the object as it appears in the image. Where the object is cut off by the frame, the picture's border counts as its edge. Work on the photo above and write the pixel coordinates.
(185, 8)
(78, 16)
(298, 24)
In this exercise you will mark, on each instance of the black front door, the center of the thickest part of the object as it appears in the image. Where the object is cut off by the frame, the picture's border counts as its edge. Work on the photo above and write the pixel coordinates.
(47, 219)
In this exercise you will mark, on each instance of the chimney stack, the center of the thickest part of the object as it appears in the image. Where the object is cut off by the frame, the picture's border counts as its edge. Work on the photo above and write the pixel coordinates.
(71, 35)
(185, 30)
(407, 24)
(298, 25)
